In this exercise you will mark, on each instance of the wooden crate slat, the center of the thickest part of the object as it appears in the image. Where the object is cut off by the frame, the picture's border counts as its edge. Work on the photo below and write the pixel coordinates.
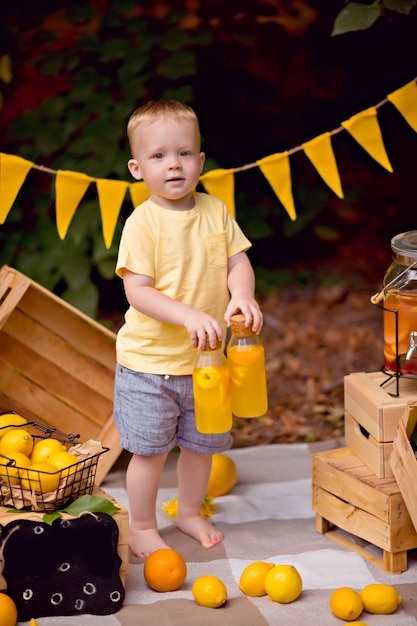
(84, 399)
(404, 467)
(12, 288)
(397, 538)
(78, 329)
(362, 495)
(47, 346)
(48, 409)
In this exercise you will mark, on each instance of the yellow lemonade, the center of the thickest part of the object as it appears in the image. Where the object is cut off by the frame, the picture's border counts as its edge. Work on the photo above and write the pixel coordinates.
(212, 402)
(248, 380)
(406, 305)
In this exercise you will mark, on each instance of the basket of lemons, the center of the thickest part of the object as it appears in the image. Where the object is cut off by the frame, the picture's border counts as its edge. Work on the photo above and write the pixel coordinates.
(42, 469)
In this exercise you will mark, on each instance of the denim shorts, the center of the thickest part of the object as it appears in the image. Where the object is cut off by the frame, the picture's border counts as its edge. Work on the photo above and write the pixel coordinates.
(154, 413)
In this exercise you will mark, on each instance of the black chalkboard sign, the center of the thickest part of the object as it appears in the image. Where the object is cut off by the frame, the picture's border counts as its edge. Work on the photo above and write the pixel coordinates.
(67, 568)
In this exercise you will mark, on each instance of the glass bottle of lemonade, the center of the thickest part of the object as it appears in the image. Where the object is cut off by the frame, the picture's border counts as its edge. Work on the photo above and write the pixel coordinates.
(211, 385)
(246, 356)
(400, 306)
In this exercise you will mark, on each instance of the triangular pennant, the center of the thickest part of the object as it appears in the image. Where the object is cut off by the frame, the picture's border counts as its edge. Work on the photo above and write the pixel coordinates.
(111, 194)
(13, 172)
(320, 152)
(276, 169)
(405, 100)
(364, 128)
(139, 192)
(70, 187)
(221, 184)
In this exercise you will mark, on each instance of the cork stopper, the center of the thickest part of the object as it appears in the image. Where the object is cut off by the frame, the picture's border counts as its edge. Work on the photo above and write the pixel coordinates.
(208, 347)
(237, 324)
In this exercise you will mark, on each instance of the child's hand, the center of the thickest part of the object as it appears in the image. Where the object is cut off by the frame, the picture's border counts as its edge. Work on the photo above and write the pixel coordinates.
(249, 308)
(202, 328)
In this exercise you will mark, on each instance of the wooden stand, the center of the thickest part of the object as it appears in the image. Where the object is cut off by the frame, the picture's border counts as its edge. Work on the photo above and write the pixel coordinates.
(56, 364)
(348, 496)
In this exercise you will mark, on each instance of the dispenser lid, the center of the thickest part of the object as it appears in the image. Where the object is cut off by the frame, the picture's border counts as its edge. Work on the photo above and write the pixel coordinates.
(405, 245)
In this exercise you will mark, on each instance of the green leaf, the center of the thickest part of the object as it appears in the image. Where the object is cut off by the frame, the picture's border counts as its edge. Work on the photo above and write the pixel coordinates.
(48, 518)
(90, 504)
(356, 16)
(400, 6)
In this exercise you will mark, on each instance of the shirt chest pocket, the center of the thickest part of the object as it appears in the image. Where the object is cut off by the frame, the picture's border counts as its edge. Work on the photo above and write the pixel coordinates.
(217, 249)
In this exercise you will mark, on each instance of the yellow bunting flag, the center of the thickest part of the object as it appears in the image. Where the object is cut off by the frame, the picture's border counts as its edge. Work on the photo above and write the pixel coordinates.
(70, 188)
(364, 128)
(405, 100)
(139, 192)
(321, 155)
(276, 169)
(221, 184)
(111, 194)
(13, 172)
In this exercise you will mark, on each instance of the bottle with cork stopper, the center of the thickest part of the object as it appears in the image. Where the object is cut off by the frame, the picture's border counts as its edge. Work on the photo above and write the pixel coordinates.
(211, 385)
(246, 357)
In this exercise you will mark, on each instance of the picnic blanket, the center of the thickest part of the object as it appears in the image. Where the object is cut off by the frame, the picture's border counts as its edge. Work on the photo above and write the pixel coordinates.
(268, 516)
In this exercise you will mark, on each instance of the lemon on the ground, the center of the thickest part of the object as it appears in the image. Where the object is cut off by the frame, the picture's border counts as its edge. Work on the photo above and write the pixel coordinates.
(346, 603)
(283, 583)
(12, 473)
(8, 421)
(63, 461)
(223, 475)
(209, 591)
(8, 610)
(380, 598)
(44, 448)
(355, 623)
(252, 579)
(17, 440)
(40, 478)
(165, 570)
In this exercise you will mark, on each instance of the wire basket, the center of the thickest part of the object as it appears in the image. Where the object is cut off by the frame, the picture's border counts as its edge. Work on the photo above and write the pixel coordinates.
(37, 490)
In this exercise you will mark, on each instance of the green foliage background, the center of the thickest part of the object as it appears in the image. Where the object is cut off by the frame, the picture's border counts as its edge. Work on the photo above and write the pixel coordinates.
(261, 82)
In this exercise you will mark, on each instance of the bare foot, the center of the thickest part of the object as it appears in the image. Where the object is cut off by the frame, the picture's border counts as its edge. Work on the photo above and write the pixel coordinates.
(201, 530)
(144, 542)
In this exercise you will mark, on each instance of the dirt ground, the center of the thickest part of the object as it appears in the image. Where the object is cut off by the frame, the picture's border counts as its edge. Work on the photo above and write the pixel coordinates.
(314, 336)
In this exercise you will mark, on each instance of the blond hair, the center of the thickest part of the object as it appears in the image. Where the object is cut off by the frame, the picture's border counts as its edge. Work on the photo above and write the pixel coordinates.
(151, 111)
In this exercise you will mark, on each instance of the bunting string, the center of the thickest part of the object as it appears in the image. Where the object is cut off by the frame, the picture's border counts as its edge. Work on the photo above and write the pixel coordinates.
(70, 187)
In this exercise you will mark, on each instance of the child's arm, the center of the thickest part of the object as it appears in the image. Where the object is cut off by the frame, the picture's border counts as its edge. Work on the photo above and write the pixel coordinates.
(241, 283)
(142, 295)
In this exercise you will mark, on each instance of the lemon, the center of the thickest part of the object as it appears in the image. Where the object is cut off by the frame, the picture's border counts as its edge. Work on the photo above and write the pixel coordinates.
(16, 440)
(44, 448)
(346, 603)
(40, 478)
(355, 623)
(283, 583)
(209, 591)
(207, 377)
(223, 475)
(63, 461)
(380, 598)
(8, 610)
(10, 420)
(252, 579)
(12, 473)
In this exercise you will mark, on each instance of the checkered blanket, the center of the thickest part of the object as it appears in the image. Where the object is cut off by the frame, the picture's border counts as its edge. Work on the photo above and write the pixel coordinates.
(267, 517)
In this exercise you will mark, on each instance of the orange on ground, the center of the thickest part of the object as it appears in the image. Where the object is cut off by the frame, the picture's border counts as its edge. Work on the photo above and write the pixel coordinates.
(165, 570)
(8, 610)
(223, 475)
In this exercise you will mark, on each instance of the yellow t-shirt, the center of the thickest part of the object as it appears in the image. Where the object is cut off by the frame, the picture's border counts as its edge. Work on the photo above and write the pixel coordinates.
(186, 254)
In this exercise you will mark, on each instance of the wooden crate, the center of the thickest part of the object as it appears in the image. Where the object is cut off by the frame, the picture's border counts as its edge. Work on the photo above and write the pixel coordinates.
(403, 460)
(56, 364)
(375, 454)
(372, 416)
(348, 496)
(121, 517)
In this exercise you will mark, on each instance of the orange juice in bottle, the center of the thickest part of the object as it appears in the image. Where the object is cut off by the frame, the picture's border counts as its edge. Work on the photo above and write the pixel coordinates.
(246, 356)
(211, 385)
(400, 306)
